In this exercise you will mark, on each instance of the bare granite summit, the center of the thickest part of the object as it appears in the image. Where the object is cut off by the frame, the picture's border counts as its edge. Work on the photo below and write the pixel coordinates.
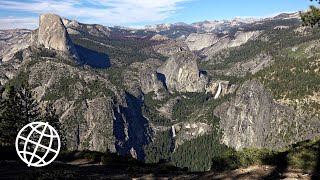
(52, 34)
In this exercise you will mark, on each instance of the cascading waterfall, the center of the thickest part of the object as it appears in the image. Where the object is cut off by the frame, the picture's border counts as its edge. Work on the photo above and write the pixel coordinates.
(218, 91)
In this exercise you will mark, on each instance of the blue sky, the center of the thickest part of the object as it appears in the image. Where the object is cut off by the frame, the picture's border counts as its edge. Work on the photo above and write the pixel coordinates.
(24, 13)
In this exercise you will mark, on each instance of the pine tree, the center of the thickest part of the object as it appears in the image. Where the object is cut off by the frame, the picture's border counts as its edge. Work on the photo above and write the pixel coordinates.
(8, 117)
(312, 17)
(18, 109)
(28, 106)
(52, 118)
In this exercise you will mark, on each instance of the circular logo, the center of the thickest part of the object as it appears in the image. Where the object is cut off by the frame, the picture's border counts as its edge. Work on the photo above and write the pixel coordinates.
(38, 144)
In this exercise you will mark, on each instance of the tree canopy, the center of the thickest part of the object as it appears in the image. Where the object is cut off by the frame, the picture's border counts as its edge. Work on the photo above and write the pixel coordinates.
(18, 107)
(311, 17)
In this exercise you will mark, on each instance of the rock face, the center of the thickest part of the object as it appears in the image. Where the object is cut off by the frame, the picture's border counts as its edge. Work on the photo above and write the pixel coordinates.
(181, 73)
(95, 114)
(142, 77)
(252, 66)
(12, 41)
(167, 109)
(253, 120)
(52, 34)
(74, 27)
(187, 131)
(228, 42)
(220, 26)
(196, 41)
(159, 37)
(243, 37)
(170, 47)
(226, 88)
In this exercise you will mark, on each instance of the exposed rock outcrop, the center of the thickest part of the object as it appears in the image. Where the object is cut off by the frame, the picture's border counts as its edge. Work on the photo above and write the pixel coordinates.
(196, 41)
(252, 119)
(74, 27)
(224, 25)
(228, 42)
(251, 66)
(52, 34)
(187, 131)
(182, 74)
(13, 41)
(159, 37)
(226, 88)
(171, 47)
(95, 114)
(142, 77)
(167, 109)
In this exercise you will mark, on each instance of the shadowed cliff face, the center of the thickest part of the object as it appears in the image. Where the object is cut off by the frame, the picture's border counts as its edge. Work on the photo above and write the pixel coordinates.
(92, 58)
(131, 129)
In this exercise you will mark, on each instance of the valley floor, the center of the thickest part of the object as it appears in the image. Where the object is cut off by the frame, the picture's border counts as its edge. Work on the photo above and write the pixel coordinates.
(83, 169)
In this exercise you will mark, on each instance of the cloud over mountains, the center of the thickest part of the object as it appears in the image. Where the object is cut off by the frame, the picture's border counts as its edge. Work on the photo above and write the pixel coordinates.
(98, 11)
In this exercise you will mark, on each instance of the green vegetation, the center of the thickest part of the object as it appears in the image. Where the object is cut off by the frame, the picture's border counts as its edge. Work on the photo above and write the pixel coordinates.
(186, 106)
(291, 78)
(160, 149)
(278, 39)
(304, 155)
(65, 88)
(294, 72)
(311, 17)
(192, 154)
(149, 109)
(115, 76)
(294, 75)
(20, 108)
(17, 110)
(93, 88)
(197, 103)
(196, 154)
(232, 159)
(120, 51)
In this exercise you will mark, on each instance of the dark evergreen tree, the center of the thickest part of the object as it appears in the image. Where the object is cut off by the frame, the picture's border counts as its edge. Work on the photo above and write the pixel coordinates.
(52, 118)
(9, 117)
(18, 108)
(28, 106)
(312, 17)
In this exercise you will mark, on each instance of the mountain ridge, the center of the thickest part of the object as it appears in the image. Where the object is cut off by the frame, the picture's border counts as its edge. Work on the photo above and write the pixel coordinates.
(155, 82)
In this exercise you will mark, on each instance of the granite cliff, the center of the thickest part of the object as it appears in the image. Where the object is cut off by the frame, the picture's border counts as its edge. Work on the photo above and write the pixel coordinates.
(52, 34)
(182, 74)
(250, 84)
(252, 119)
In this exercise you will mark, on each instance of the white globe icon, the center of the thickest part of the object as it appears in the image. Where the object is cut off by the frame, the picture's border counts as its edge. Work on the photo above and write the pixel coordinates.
(38, 144)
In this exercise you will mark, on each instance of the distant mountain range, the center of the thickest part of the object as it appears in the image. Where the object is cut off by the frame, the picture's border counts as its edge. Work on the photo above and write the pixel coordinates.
(205, 26)
(219, 85)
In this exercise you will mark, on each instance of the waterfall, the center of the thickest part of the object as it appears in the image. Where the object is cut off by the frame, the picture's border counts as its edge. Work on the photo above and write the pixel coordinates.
(173, 131)
(218, 92)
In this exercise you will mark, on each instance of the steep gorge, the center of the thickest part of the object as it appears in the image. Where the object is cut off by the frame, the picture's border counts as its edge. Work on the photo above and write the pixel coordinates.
(123, 90)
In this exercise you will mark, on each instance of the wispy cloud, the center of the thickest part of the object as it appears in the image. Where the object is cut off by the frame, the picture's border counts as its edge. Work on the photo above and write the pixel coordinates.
(117, 12)
(18, 22)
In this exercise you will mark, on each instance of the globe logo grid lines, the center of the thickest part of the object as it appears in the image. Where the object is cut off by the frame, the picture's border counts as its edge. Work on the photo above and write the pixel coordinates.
(25, 140)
